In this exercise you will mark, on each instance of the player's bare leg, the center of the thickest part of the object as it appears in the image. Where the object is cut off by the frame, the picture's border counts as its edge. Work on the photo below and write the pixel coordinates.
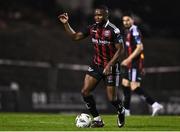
(89, 84)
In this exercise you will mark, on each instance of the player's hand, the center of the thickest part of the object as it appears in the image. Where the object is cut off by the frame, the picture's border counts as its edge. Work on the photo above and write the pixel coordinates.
(63, 18)
(107, 70)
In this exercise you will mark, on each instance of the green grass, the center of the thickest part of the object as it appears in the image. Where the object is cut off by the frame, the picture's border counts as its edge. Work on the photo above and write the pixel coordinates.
(65, 122)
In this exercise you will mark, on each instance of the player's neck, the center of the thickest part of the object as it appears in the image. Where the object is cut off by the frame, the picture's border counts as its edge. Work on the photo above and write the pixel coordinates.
(103, 23)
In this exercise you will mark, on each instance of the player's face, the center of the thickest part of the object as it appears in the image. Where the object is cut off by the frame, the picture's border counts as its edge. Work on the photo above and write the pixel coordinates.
(127, 21)
(99, 16)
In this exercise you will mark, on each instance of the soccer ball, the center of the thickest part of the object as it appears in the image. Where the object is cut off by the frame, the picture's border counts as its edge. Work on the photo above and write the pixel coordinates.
(83, 120)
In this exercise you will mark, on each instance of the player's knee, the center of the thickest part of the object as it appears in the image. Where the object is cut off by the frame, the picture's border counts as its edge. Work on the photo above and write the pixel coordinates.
(85, 92)
(110, 98)
(134, 85)
(125, 83)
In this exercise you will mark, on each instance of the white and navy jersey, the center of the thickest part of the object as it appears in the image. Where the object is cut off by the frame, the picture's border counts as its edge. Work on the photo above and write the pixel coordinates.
(132, 38)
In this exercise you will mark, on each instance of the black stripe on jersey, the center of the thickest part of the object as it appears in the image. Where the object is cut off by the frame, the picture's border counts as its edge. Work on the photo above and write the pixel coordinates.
(100, 60)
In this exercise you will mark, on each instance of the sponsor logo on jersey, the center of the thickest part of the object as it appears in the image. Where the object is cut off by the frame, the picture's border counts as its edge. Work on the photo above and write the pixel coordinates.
(94, 31)
(98, 41)
(107, 33)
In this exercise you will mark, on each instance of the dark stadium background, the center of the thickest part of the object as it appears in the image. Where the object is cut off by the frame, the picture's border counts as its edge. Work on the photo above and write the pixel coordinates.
(42, 69)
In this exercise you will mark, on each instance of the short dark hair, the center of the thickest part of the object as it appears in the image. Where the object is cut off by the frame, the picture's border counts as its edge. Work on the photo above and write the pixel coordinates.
(128, 13)
(104, 8)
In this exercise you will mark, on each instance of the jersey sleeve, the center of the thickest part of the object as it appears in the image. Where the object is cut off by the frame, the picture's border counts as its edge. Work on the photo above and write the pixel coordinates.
(117, 36)
(137, 35)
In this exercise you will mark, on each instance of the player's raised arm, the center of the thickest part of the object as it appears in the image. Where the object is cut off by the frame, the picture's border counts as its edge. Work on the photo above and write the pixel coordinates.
(64, 18)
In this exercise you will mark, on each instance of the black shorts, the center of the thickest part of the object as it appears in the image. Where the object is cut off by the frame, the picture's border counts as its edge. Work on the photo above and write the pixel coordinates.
(132, 74)
(110, 80)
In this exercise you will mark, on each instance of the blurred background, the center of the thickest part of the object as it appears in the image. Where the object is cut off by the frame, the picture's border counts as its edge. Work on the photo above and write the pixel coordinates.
(42, 69)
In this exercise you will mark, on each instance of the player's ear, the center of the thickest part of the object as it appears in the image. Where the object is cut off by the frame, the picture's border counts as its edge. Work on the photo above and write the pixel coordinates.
(106, 12)
(132, 20)
(106, 16)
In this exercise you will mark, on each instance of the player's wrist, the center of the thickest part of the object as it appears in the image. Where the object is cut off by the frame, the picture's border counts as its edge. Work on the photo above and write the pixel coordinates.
(109, 64)
(130, 59)
(65, 23)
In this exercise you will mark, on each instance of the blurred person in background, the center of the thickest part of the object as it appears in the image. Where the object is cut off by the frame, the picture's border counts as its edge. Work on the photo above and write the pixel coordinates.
(132, 65)
(108, 46)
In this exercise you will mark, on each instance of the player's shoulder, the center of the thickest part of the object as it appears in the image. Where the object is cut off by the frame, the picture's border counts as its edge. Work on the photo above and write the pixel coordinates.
(135, 30)
(113, 27)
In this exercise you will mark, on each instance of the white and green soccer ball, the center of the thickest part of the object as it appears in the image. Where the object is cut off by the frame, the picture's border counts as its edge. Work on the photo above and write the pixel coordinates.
(83, 120)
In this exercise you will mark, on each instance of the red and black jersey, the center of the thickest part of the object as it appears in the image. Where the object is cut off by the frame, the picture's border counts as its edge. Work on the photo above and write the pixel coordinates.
(103, 39)
(132, 38)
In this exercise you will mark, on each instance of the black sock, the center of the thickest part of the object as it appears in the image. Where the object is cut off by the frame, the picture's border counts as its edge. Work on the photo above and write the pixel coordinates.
(117, 104)
(142, 93)
(91, 105)
(127, 97)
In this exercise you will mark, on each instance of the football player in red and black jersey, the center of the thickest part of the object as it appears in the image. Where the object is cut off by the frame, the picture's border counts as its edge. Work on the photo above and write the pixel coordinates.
(133, 64)
(108, 47)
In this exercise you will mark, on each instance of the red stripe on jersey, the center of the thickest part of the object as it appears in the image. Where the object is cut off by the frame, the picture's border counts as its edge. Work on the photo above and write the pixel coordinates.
(128, 39)
(97, 50)
(97, 58)
(104, 53)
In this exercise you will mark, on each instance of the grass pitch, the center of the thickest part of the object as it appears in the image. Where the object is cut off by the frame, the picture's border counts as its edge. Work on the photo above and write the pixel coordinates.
(65, 122)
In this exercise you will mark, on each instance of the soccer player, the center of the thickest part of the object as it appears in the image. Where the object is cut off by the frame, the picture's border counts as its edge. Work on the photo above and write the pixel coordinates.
(108, 46)
(133, 66)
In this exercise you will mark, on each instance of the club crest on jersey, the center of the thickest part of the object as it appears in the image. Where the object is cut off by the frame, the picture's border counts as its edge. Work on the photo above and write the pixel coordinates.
(107, 33)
